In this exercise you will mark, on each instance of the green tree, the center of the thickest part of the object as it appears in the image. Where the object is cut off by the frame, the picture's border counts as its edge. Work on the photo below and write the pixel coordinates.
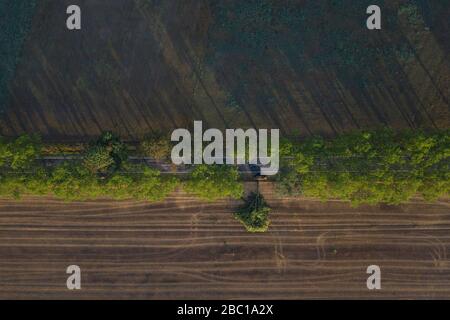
(117, 148)
(106, 155)
(74, 182)
(212, 182)
(151, 186)
(380, 166)
(120, 186)
(5, 153)
(254, 215)
(157, 145)
(98, 159)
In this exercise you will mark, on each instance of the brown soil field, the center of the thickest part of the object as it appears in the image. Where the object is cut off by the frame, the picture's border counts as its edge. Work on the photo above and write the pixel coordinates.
(185, 249)
(139, 66)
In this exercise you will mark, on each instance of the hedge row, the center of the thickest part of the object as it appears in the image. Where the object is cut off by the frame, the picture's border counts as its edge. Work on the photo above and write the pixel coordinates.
(74, 182)
(368, 167)
(103, 171)
(365, 168)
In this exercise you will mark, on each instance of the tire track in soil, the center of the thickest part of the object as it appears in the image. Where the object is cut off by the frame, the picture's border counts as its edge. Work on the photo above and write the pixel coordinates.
(186, 249)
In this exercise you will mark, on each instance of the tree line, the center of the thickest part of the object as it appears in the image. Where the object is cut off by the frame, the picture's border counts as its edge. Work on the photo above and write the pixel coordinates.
(380, 166)
(367, 167)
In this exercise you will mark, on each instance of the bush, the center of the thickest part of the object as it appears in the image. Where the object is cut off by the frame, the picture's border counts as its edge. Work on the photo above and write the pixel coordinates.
(151, 186)
(74, 182)
(12, 186)
(140, 183)
(98, 159)
(19, 153)
(212, 182)
(157, 146)
(254, 215)
(5, 152)
(105, 155)
(120, 186)
(118, 150)
(17, 184)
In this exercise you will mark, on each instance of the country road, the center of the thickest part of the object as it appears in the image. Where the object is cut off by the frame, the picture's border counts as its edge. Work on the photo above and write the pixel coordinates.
(185, 249)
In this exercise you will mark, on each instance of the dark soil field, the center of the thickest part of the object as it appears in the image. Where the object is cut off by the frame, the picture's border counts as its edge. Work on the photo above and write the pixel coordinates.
(185, 249)
(138, 66)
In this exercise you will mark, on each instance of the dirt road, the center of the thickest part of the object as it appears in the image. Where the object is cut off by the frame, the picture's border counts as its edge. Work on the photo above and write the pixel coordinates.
(182, 248)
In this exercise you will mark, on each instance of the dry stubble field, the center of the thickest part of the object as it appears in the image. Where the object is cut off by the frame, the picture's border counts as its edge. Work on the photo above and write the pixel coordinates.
(185, 249)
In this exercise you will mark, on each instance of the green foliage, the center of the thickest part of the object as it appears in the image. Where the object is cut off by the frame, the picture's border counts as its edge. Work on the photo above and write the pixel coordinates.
(364, 167)
(74, 182)
(212, 182)
(70, 182)
(157, 145)
(16, 184)
(254, 215)
(117, 149)
(151, 186)
(98, 159)
(5, 152)
(368, 167)
(16, 156)
(140, 183)
(19, 153)
(120, 186)
(105, 155)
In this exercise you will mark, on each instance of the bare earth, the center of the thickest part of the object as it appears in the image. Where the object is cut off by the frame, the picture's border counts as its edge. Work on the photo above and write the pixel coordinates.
(186, 249)
(135, 69)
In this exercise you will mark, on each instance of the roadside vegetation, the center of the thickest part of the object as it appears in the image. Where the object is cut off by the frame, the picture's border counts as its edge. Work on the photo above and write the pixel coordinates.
(212, 182)
(380, 166)
(368, 167)
(106, 155)
(156, 146)
(102, 172)
(254, 214)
